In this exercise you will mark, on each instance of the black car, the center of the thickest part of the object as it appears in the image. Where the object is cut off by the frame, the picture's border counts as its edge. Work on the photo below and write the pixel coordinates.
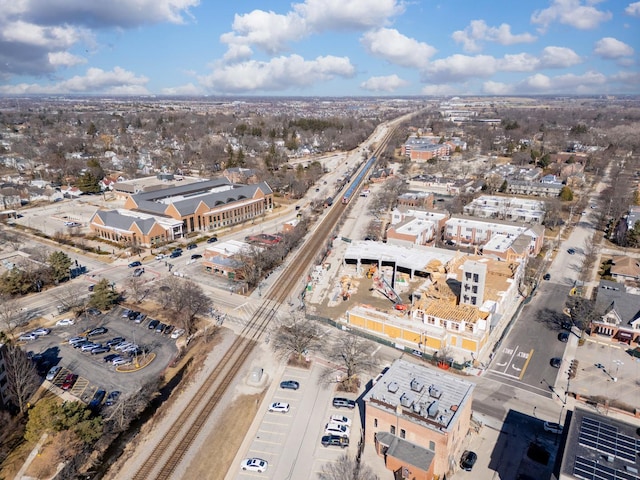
(196, 256)
(153, 324)
(191, 246)
(339, 402)
(114, 341)
(135, 264)
(547, 276)
(556, 362)
(168, 329)
(160, 327)
(175, 254)
(97, 399)
(468, 460)
(571, 251)
(91, 287)
(138, 271)
(290, 384)
(212, 240)
(110, 357)
(97, 331)
(563, 337)
(94, 311)
(335, 440)
(112, 398)
(132, 315)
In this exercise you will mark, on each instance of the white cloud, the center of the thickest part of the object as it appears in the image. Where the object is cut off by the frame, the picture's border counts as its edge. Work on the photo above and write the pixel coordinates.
(38, 36)
(609, 47)
(570, 12)
(442, 90)
(65, 59)
(188, 89)
(633, 9)
(397, 48)
(279, 73)
(459, 67)
(558, 57)
(568, 83)
(323, 15)
(117, 81)
(389, 83)
(478, 31)
(267, 31)
(497, 88)
(273, 32)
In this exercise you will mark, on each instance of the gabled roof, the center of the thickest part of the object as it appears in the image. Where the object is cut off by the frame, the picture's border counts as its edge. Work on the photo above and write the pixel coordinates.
(612, 296)
(117, 221)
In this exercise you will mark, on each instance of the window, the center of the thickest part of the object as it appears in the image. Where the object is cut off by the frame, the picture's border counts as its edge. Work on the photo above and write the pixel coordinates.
(403, 434)
(476, 278)
(432, 445)
(375, 422)
(393, 430)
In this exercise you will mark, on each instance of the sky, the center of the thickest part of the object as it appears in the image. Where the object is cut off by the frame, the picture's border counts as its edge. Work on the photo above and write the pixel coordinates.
(319, 47)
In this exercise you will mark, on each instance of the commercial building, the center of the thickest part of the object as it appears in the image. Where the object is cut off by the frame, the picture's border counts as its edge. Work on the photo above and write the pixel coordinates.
(156, 216)
(417, 419)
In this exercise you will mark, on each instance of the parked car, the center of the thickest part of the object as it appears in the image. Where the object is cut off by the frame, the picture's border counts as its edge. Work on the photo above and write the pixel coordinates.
(138, 271)
(279, 407)
(290, 385)
(161, 256)
(563, 337)
(552, 427)
(547, 276)
(65, 322)
(212, 239)
(340, 419)
(112, 398)
(69, 381)
(73, 340)
(468, 460)
(178, 332)
(94, 311)
(96, 401)
(133, 314)
(571, 251)
(160, 327)
(340, 402)
(121, 361)
(337, 429)
(87, 347)
(153, 324)
(168, 329)
(140, 318)
(114, 341)
(100, 350)
(135, 264)
(556, 362)
(254, 465)
(41, 331)
(97, 331)
(125, 313)
(111, 357)
(335, 440)
(122, 345)
(91, 287)
(175, 254)
(196, 256)
(27, 337)
(192, 246)
(82, 343)
(53, 372)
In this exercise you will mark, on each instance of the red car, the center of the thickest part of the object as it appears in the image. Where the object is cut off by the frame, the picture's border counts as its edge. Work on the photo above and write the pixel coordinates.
(69, 381)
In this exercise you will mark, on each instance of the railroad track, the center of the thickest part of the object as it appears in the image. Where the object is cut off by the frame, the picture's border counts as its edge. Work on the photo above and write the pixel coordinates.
(175, 443)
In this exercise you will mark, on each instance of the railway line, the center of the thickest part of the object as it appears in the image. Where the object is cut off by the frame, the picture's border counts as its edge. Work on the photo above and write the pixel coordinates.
(176, 441)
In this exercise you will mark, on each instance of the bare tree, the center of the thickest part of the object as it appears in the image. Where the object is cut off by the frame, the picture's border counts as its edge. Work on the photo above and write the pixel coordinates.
(352, 355)
(346, 468)
(294, 339)
(22, 376)
(188, 300)
(11, 314)
(137, 288)
(70, 298)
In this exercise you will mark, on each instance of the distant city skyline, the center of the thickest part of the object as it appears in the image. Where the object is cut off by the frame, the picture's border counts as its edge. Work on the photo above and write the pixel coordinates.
(319, 47)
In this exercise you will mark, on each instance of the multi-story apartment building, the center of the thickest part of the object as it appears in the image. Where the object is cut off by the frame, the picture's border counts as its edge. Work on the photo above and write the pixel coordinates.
(506, 208)
(417, 419)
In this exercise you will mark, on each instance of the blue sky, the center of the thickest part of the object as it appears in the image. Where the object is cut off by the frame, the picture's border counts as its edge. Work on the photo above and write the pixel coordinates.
(319, 47)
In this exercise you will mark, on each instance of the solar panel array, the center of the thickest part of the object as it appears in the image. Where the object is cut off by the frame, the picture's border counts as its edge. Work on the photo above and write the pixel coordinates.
(593, 470)
(606, 439)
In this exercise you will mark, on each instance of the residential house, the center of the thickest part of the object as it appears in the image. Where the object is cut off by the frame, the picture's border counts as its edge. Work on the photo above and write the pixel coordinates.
(619, 313)
(624, 268)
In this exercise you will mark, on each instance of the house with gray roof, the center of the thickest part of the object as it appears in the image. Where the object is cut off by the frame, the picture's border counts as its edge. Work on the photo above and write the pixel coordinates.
(618, 313)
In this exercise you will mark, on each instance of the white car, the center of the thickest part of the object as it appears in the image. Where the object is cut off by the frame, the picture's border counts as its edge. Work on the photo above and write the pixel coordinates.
(254, 465)
(177, 333)
(279, 407)
(337, 429)
(41, 331)
(65, 322)
(340, 420)
(161, 256)
(26, 337)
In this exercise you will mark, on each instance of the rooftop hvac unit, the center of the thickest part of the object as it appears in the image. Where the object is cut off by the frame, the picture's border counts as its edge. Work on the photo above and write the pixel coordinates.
(406, 400)
(432, 411)
(416, 385)
(434, 391)
(393, 387)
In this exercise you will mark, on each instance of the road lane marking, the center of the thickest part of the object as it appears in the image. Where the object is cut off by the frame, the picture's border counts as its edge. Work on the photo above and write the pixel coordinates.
(524, 367)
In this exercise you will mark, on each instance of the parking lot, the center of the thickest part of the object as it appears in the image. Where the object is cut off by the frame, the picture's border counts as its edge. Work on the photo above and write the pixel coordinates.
(92, 370)
(288, 440)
